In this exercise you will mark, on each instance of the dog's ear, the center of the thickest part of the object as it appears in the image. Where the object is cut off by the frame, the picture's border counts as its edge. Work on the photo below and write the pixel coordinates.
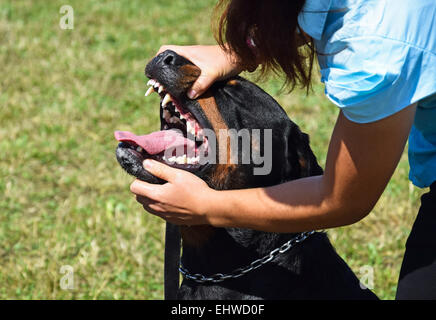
(300, 161)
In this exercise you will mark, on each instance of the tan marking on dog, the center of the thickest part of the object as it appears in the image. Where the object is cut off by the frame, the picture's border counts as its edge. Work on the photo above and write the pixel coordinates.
(196, 236)
(212, 113)
(303, 163)
(233, 82)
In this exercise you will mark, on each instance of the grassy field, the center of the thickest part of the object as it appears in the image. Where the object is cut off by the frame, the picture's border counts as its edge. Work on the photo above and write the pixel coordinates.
(63, 198)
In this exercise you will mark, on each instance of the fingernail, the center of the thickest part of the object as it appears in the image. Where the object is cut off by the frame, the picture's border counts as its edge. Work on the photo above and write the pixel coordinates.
(147, 163)
(192, 94)
(133, 186)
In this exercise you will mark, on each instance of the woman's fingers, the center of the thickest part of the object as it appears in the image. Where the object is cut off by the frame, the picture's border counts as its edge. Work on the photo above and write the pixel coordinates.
(214, 63)
(161, 170)
(167, 47)
(202, 83)
(148, 190)
(160, 210)
(144, 200)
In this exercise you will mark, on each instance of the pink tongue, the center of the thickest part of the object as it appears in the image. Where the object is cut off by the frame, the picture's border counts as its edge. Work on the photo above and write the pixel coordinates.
(156, 142)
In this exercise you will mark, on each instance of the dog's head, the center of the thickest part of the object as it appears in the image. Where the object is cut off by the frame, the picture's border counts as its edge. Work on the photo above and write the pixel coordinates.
(233, 136)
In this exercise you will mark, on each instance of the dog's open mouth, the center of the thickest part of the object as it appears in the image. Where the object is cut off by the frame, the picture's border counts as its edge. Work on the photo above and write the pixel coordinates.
(181, 143)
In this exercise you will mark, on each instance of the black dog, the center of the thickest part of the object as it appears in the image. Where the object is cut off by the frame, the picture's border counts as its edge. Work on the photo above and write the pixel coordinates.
(310, 269)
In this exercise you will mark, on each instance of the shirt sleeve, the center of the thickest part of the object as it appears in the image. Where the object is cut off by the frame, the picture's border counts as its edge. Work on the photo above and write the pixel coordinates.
(373, 77)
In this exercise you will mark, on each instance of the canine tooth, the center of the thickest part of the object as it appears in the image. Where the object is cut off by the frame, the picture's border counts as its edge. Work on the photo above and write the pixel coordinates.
(149, 91)
(172, 159)
(182, 117)
(156, 84)
(161, 88)
(150, 82)
(166, 99)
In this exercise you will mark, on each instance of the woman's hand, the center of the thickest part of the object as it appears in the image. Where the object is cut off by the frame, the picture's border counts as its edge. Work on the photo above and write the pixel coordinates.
(214, 62)
(182, 200)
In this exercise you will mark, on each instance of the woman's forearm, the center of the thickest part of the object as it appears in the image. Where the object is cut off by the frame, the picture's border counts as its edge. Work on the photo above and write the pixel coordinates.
(360, 162)
(298, 205)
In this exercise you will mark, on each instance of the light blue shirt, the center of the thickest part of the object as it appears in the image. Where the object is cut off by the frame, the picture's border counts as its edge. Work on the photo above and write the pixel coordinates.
(376, 58)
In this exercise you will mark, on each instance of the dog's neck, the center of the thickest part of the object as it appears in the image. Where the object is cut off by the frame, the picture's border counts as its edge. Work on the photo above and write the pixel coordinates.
(196, 236)
(211, 250)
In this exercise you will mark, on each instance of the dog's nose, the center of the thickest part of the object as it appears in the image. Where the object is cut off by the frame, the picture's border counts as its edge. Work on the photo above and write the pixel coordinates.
(168, 57)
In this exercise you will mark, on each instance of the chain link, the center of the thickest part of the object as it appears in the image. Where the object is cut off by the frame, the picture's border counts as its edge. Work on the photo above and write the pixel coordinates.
(239, 272)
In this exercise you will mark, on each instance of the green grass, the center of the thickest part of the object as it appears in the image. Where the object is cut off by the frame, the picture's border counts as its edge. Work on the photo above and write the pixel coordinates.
(63, 198)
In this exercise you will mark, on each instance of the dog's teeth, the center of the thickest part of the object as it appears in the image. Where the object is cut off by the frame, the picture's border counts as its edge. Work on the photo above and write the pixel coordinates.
(166, 99)
(194, 160)
(156, 85)
(139, 149)
(161, 88)
(172, 159)
(150, 82)
(182, 159)
(191, 160)
(182, 117)
(149, 91)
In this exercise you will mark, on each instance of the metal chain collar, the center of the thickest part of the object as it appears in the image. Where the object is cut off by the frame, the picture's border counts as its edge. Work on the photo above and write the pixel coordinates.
(239, 272)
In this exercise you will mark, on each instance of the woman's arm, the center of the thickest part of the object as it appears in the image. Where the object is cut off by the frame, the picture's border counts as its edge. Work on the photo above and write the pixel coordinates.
(360, 161)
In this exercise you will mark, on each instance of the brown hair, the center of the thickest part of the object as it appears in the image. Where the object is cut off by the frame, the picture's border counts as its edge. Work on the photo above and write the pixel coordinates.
(274, 29)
